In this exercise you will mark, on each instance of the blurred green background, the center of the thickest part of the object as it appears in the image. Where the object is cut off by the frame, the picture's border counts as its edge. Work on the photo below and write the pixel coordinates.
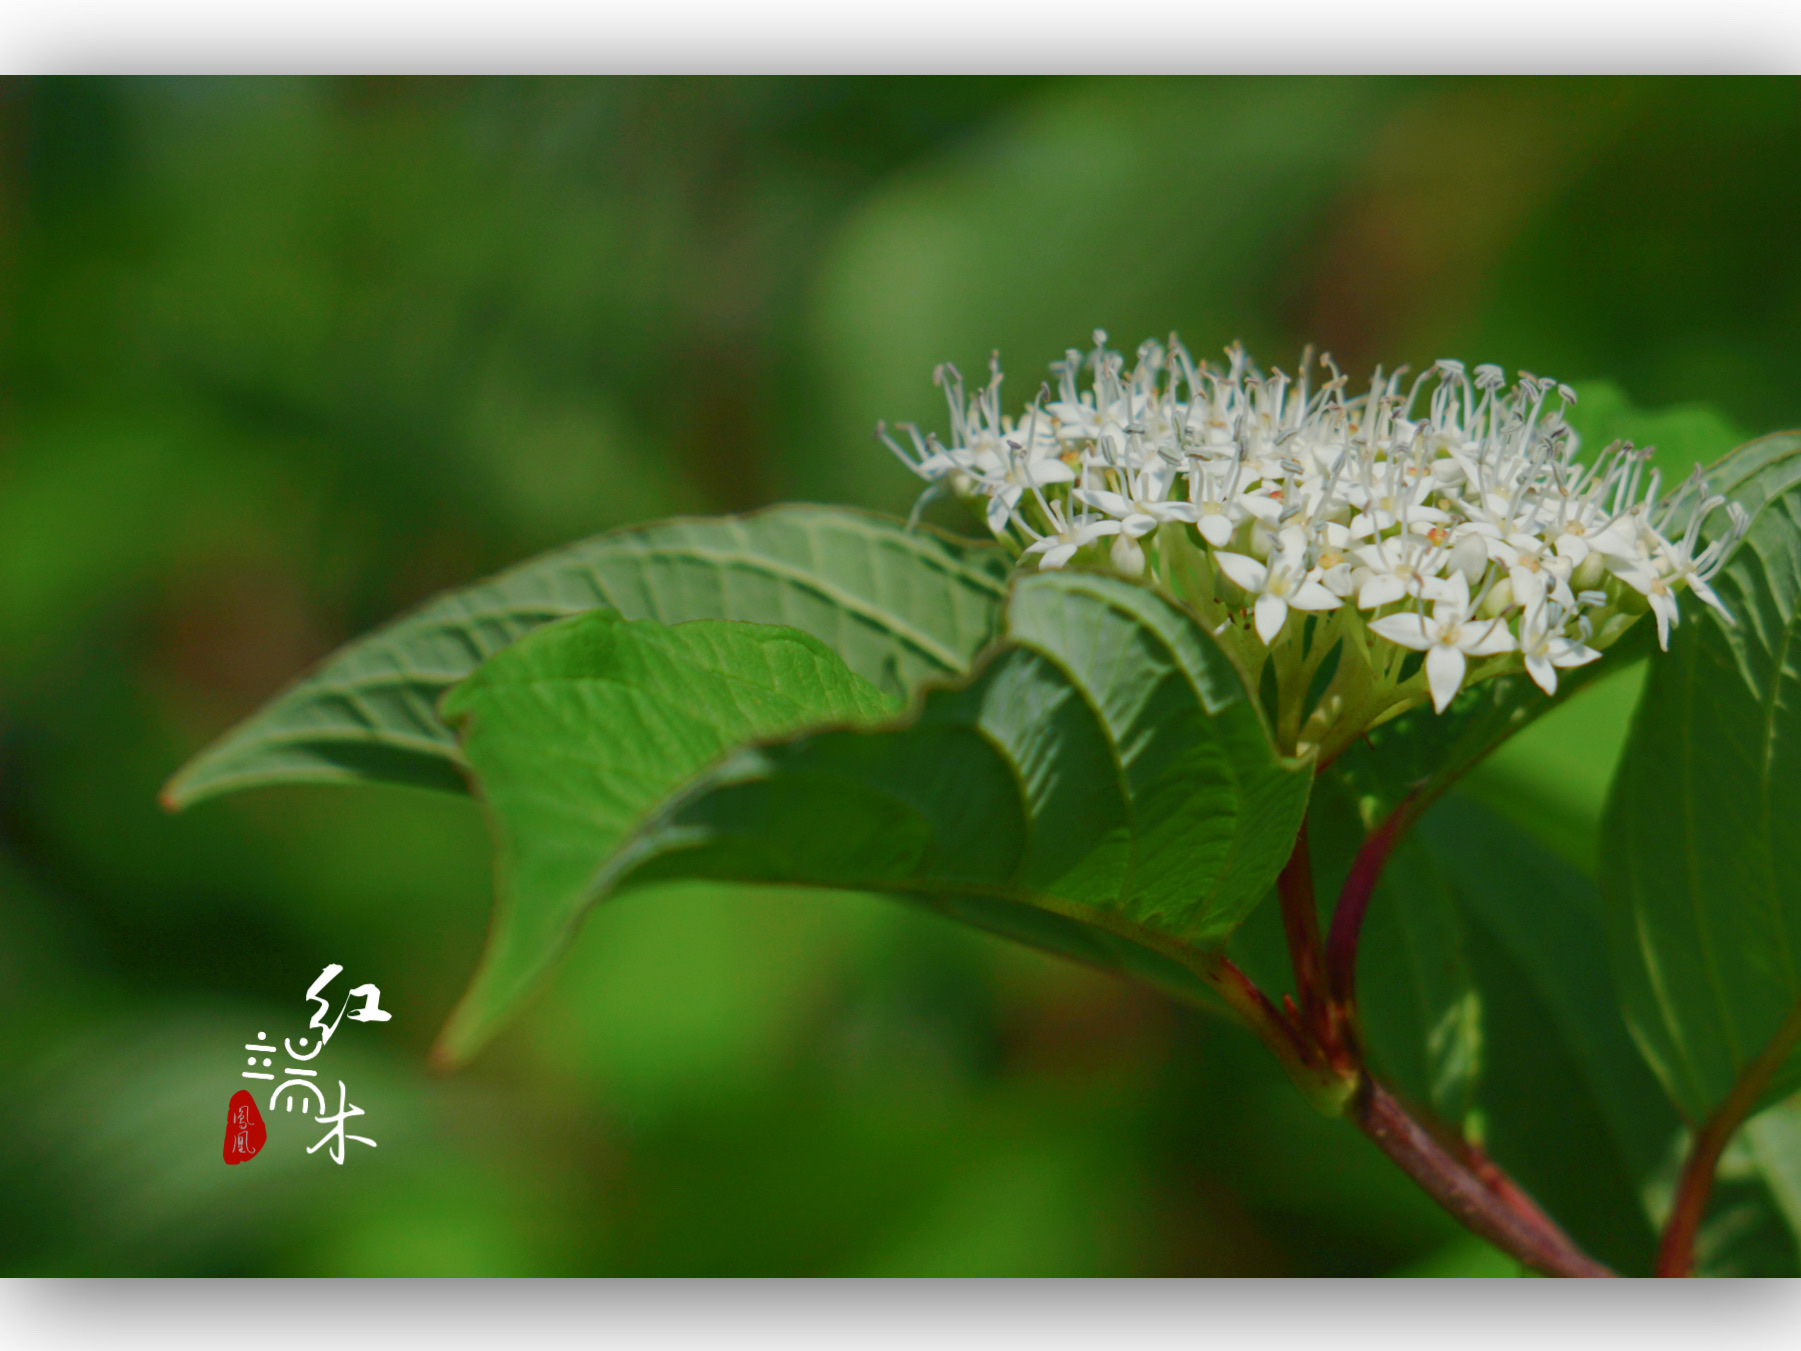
(282, 357)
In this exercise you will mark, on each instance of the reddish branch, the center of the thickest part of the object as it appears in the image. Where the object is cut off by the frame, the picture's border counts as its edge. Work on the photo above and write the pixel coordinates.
(1300, 923)
(1676, 1257)
(1473, 1188)
(1543, 1247)
(1354, 900)
(1509, 1193)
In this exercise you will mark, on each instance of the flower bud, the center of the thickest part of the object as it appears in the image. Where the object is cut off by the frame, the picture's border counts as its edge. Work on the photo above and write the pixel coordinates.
(1499, 598)
(1589, 573)
(1469, 557)
(1263, 540)
(1128, 557)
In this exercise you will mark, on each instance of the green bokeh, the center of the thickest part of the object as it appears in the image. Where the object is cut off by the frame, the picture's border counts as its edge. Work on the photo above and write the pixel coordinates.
(282, 357)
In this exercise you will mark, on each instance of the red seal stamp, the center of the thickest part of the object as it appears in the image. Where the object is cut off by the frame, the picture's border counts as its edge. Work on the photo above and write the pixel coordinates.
(245, 1133)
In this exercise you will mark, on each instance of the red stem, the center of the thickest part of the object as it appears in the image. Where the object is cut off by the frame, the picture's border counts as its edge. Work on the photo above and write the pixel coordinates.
(1300, 924)
(1676, 1257)
(1353, 904)
(1473, 1188)
(1491, 1175)
(1544, 1248)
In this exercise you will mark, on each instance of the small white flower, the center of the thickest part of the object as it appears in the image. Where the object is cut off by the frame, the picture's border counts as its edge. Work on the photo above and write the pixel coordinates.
(1332, 570)
(1278, 585)
(1447, 639)
(1057, 548)
(1405, 566)
(1584, 530)
(1546, 648)
(1384, 507)
(1534, 569)
(1414, 493)
(1694, 572)
(1217, 511)
(1644, 578)
(1006, 482)
(1146, 508)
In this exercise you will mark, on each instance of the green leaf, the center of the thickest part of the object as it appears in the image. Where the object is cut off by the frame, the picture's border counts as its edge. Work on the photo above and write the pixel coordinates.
(1102, 787)
(899, 607)
(1552, 779)
(1774, 1139)
(1417, 993)
(1701, 858)
(1567, 1104)
(583, 726)
(1683, 435)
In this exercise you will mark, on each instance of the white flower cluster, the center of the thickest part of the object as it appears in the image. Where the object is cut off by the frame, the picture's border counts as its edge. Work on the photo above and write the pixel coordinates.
(1448, 515)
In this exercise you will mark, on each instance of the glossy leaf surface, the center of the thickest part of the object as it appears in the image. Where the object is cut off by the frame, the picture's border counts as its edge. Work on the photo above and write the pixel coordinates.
(1701, 854)
(1102, 788)
(580, 728)
(898, 607)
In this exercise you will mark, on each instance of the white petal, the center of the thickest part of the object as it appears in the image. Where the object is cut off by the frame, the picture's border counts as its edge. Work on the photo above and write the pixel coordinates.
(1216, 529)
(1382, 589)
(1265, 509)
(1499, 550)
(1057, 557)
(1241, 568)
(1705, 593)
(1046, 471)
(1272, 613)
(1452, 591)
(1292, 541)
(1338, 581)
(1572, 547)
(1637, 574)
(1664, 607)
(1528, 586)
(1407, 630)
(1485, 639)
(1313, 596)
(1444, 674)
(1615, 542)
(1567, 652)
(1111, 503)
(1138, 525)
(1000, 510)
(1173, 511)
(1469, 558)
(1096, 529)
(1544, 672)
